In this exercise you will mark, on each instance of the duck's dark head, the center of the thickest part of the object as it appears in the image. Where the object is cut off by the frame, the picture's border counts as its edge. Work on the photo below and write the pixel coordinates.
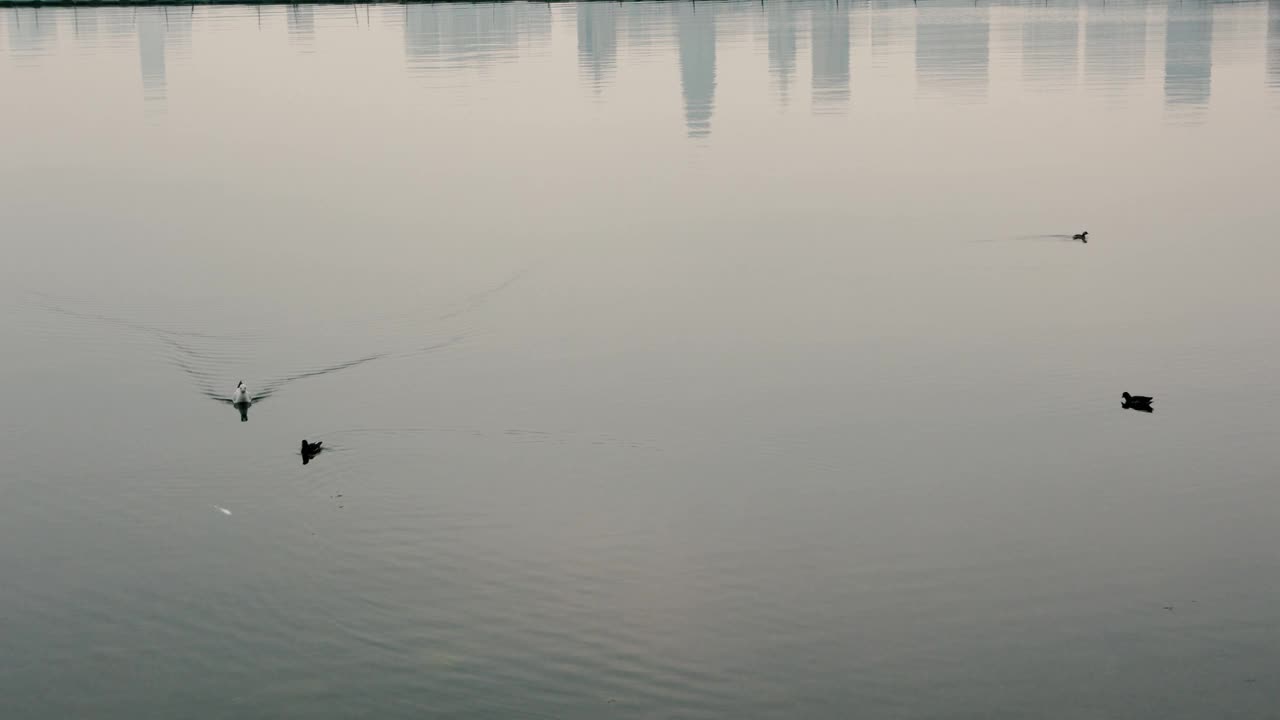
(304, 445)
(1125, 395)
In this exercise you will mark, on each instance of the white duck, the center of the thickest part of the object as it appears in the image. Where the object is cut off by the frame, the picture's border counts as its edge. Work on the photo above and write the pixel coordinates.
(241, 396)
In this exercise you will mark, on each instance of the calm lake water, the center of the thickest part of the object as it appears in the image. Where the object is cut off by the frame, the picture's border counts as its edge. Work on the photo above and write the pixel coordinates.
(723, 360)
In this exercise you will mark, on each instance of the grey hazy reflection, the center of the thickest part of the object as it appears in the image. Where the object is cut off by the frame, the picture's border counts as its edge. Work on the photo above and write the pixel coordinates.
(1049, 41)
(952, 49)
(1188, 55)
(890, 23)
(781, 30)
(1115, 45)
(32, 31)
(449, 36)
(696, 38)
(1273, 44)
(645, 26)
(84, 26)
(301, 21)
(950, 38)
(597, 42)
(160, 31)
(829, 45)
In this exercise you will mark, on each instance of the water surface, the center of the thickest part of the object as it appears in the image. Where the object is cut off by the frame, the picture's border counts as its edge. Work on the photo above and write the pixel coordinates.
(671, 360)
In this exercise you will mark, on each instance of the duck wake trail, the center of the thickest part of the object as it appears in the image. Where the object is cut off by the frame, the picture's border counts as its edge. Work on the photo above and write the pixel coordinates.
(214, 361)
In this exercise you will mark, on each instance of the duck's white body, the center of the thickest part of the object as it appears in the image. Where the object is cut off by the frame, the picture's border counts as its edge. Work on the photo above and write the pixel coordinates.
(241, 395)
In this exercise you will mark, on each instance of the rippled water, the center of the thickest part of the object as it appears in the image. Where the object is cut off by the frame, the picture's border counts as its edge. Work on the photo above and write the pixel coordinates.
(671, 360)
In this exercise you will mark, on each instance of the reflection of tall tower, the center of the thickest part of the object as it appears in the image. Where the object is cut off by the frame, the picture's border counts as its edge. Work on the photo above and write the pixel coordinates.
(1049, 40)
(84, 25)
(422, 31)
(782, 46)
(644, 24)
(1188, 54)
(696, 36)
(456, 35)
(830, 48)
(302, 25)
(1115, 45)
(597, 42)
(117, 23)
(31, 31)
(151, 53)
(890, 27)
(159, 31)
(952, 40)
(1273, 44)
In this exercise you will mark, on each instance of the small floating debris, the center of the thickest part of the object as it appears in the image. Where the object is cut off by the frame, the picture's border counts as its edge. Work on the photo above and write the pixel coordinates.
(222, 510)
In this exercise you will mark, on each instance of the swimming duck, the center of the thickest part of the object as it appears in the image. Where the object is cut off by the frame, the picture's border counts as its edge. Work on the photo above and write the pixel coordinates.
(1081, 236)
(310, 450)
(1141, 403)
(241, 395)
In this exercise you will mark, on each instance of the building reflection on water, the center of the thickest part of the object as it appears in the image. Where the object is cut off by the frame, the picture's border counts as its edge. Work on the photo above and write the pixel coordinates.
(952, 49)
(1273, 44)
(1188, 54)
(1115, 46)
(782, 32)
(597, 43)
(1050, 39)
(1104, 43)
(829, 46)
(696, 42)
